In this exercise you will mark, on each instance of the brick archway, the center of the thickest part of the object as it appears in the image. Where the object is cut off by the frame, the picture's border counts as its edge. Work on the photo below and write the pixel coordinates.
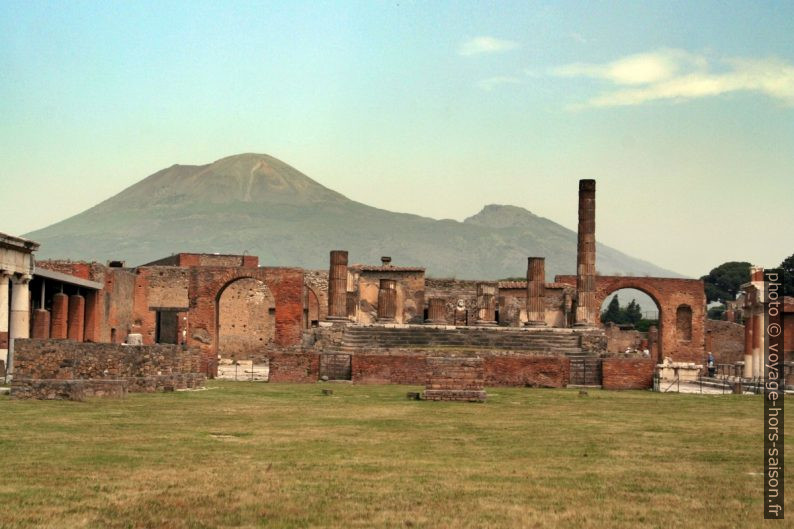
(668, 294)
(603, 293)
(205, 287)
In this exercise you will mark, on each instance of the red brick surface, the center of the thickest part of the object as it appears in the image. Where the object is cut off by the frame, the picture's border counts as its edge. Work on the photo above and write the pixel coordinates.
(627, 373)
(382, 369)
(540, 371)
(287, 367)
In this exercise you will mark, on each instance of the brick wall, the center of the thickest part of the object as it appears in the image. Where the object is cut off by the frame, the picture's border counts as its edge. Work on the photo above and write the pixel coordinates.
(727, 341)
(535, 371)
(49, 368)
(246, 319)
(300, 367)
(627, 373)
(455, 378)
(381, 369)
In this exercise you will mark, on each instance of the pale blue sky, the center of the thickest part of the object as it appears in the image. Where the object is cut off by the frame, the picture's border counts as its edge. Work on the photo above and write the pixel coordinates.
(683, 111)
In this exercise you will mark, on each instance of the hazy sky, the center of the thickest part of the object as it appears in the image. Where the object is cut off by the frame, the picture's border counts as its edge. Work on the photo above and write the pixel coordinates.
(683, 111)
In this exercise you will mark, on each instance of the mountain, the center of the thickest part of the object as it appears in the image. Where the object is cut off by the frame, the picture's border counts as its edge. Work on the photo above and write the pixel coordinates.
(257, 204)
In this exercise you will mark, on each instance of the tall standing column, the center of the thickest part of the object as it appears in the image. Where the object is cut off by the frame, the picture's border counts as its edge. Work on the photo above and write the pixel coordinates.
(653, 344)
(387, 300)
(76, 318)
(586, 256)
(19, 324)
(748, 345)
(486, 304)
(59, 316)
(4, 316)
(758, 344)
(536, 291)
(41, 324)
(437, 311)
(337, 286)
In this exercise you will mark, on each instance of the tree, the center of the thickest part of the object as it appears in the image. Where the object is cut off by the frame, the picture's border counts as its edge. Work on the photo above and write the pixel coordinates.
(723, 282)
(716, 312)
(788, 275)
(613, 313)
(633, 313)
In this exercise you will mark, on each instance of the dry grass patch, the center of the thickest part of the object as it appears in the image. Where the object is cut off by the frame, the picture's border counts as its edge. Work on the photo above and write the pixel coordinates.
(284, 456)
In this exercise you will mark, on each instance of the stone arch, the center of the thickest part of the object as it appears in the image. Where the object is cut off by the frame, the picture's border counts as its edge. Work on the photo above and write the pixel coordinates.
(603, 291)
(245, 318)
(683, 323)
(205, 285)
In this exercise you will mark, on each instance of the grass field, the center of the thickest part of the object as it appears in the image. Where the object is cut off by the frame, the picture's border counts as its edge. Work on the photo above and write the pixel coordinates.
(280, 455)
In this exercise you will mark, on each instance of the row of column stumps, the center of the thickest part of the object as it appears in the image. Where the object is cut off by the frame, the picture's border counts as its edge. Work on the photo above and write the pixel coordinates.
(586, 257)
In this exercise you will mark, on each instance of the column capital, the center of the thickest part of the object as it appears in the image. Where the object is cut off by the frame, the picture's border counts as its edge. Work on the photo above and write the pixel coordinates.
(5, 274)
(21, 279)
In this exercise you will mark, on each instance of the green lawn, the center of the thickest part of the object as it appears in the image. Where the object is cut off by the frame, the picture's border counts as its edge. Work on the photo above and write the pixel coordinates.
(282, 455)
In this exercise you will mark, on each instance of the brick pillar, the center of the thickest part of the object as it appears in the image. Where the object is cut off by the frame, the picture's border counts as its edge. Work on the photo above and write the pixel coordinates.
(486, 304)
(91, 331)
(653, 344)
(59, 316)
(76, 318)
(586, 256)
(436, 311)
(748, 347)
(387, 300)
(4, 276)
(41, 324)
(536, 291)
(337, 286)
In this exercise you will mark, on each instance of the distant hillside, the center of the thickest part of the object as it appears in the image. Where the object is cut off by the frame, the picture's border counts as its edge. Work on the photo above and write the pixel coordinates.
(258, 204)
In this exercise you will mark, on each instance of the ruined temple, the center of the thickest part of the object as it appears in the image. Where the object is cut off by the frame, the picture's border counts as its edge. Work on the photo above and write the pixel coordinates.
(369, 322)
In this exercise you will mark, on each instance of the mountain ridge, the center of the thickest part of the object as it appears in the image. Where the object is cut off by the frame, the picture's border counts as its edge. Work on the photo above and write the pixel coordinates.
(259, 204)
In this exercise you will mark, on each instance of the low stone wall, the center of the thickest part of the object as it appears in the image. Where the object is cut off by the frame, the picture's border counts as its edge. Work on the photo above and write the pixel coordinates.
(627, 373)
(455, 378)
(64, 369)
(294, 367)
(534, 371)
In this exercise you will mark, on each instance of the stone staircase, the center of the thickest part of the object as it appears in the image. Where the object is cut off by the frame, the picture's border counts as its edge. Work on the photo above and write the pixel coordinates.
(379, 339)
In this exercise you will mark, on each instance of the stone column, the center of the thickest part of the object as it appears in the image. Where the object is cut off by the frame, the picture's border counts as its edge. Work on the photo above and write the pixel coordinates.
(59, 317)
(91, 331)
(758, 345)
(436, 311)
(387, 300)
(486, 304)
(586, 256)
(41, 324)
(4, 316)
(19, 324)
(76, 317)
(337, 286)
(748, 346)
(536, 291)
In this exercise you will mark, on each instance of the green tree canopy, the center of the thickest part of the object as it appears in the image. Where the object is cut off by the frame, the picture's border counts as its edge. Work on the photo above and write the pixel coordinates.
(723, 282)
(613, 313)
(788, 275)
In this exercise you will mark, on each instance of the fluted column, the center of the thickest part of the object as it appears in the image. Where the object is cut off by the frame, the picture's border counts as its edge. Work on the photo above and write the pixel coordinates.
(76, 318)
(19, 322)
(437, 311)
(387, 300)
(337, 286)
(586, 256)
(59, 316)
(536, 291)
(486, 304)
(4, 316)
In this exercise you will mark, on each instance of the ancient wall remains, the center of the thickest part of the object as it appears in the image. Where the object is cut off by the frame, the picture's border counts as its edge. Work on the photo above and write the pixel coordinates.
(289, 367)
(727, 341)
(246, 319)
(627, 373)
(67, 369)
(455, 378)
(410, 292)
(618, 340)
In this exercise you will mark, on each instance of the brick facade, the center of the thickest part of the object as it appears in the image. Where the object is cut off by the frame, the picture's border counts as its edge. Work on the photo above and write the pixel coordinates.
(627, 373)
